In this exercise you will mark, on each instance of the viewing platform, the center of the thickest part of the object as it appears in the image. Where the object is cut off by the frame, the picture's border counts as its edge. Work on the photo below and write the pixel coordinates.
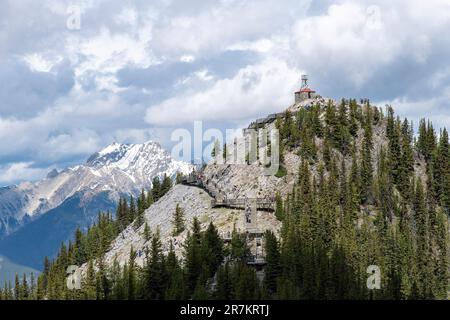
(250, 206)
(267, 204)
(257, 261)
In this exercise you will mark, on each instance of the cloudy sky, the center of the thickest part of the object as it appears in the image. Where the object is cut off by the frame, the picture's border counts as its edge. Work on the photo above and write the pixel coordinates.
(131, 71)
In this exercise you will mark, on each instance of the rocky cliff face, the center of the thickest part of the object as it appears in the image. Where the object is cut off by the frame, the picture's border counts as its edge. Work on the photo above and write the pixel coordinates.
(194, 202)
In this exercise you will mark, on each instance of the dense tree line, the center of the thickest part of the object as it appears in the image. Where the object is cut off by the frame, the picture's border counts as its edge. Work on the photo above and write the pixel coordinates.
(355, 205)
(368, 192)
(85, 246)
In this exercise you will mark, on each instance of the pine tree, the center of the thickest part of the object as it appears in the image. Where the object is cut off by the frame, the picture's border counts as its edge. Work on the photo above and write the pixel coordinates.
(193, 258)
(406, 162)
(179, 178)
(156, 189)
(331, 123)
(245, 285)
(327, 151)
(421, 217)
(366, 163)
(175, 287)
(354, 118)
(426, 142)
(224, 286)
(103, 280)
(122, 214)
(132, 210)
(24, 290)
(17, 290)
(32, 294)
(80, 248)
(147, 232)
(441, 172)
(442, 266)
(273, 268)
(89, 285)
(166, 185)
(118, 288)
(132, 277)
(342, 134)
(155, 279)
(239, 249)
(393, 133)
(212, 251)
(178, 221)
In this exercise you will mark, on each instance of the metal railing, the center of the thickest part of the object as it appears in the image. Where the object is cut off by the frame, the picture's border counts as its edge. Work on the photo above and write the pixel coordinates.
(256, 260)
(261, 203)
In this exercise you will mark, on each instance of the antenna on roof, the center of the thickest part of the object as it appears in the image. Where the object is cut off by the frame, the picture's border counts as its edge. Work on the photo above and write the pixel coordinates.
(304, 81)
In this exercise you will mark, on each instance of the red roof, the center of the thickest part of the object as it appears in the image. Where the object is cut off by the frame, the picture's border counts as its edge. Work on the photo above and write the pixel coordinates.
(305, 90)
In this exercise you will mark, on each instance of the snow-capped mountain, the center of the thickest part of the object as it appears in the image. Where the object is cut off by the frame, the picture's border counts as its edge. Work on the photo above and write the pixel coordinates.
(65, 199)
(119, 168)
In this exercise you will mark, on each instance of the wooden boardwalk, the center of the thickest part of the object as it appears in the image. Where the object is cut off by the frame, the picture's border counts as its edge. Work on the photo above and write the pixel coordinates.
(250, 205)
(256, 261)
(266, 204)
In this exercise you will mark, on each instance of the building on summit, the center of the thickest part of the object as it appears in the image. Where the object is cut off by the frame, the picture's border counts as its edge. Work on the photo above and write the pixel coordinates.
(305, 91)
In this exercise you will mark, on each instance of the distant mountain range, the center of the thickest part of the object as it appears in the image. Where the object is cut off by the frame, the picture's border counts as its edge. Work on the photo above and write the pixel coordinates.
(35, 217)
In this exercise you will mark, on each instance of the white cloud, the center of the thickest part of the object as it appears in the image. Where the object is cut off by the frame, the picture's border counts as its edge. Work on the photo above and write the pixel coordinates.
(128, 17)
(40, 62)
(254, 90)
(358, 39)
(434, 108)
(20, 171)
(76, 126)
(187, 58)
(225, 24)
(105, 53)
(260, 45)
(345, 38)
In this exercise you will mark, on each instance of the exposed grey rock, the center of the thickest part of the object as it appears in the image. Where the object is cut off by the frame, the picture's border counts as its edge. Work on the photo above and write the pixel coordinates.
(195, 202)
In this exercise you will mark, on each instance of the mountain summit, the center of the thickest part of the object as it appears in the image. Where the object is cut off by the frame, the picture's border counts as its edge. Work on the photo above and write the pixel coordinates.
(138, 160)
